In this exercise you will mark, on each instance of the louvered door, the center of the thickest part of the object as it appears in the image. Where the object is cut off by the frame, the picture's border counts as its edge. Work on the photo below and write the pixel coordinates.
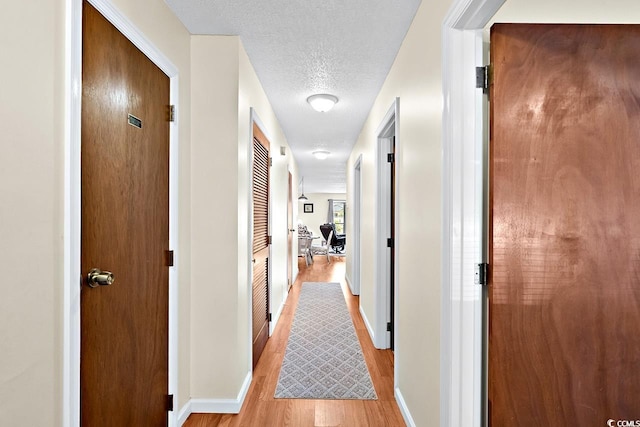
(260, 243)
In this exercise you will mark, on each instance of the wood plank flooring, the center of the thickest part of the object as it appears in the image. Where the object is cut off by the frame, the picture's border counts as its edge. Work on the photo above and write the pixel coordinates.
(261, 409)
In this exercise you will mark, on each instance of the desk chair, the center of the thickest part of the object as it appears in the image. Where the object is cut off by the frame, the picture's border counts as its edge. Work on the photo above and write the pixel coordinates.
(337, 241)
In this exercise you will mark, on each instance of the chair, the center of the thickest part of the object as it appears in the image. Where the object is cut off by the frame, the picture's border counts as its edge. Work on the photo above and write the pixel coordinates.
(304, 249)
(324, 249)
(337, 241)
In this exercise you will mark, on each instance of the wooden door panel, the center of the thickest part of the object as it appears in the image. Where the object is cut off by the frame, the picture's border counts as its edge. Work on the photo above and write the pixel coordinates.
(260, 283)
(564, 294)
(125, 230)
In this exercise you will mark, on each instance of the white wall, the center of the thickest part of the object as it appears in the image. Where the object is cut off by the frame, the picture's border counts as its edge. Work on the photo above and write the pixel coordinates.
(225, 89)
(32, 104)
(251, 95)
(569, 11)
(415, 78)
(314, 220)
(215, 373)
(31, 191)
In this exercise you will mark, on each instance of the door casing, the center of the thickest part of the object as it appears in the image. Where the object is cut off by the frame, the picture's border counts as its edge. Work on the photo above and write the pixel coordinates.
(255, 119)
(356, 260)
(463, 134)
(71, 295)
(387, 129)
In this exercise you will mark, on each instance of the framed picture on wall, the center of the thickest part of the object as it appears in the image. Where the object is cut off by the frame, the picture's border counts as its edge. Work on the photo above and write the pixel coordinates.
(308, 208)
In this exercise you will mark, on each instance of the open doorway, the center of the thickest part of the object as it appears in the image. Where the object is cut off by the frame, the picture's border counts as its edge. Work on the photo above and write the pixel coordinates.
(354, 283)
(386, 242)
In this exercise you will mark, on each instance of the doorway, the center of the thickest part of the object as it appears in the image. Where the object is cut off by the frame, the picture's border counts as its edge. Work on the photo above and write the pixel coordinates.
(72, 236)
(290, 231)
(125, 256)
(563, 279)
(261, 242)
(357, 206)
(386, 241)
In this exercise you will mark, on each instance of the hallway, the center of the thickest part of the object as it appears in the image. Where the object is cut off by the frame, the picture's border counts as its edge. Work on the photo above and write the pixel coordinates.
(261, 409)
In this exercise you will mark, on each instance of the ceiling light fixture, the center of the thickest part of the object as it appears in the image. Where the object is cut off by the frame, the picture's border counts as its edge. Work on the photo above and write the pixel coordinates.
(302, 196)
(321, 154)
(322, 102)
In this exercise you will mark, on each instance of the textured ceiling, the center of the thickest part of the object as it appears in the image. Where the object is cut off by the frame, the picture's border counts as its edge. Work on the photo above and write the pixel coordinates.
(302, 47)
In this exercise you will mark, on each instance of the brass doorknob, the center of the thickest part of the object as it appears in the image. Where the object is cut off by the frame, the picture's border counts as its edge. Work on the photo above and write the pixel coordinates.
(97, 277)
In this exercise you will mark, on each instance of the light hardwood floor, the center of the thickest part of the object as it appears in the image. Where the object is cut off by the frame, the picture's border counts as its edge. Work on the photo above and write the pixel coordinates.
(261, 409)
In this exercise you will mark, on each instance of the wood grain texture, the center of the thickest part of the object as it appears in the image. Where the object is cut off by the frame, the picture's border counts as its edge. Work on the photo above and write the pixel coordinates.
(564, 282)
(125, 230)
(261, 409)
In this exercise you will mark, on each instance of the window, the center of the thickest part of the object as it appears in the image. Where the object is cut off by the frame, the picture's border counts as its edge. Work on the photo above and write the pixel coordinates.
(339, 207)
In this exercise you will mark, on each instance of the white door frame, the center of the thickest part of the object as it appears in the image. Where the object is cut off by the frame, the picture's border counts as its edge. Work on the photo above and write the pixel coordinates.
(355, 234)
(255, 119)
(387, 129)
(461, 357)
(72, 207)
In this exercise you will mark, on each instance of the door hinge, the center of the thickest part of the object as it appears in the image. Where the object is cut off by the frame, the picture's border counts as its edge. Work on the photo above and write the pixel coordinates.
(269, 240)
(481, 274)
(170, 402)
(388, 326)
(270, 317)
(169, 258)
(389, 242)
(482, 78)
(391, 157)
(270, 161)
(172, 113)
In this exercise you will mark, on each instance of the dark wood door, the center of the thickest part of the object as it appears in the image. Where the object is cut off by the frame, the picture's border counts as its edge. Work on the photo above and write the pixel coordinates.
(261, 242)
(290, 231)
(564, 283)
(125, 230)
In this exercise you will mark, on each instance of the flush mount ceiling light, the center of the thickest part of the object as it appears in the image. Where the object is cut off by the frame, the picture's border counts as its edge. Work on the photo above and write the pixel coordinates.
(321, 154)
(322, 102)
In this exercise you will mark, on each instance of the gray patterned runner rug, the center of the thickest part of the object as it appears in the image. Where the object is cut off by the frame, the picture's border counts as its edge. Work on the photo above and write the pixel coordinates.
(323, 359)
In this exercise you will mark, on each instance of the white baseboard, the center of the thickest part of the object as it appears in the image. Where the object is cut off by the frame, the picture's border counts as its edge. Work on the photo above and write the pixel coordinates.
(184, 413)
(367, 324)
(346, 278)
(408, 419)
(275, 317)
(215, 406)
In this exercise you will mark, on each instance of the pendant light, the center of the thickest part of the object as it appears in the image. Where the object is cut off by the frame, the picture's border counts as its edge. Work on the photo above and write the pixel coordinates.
(302, 196)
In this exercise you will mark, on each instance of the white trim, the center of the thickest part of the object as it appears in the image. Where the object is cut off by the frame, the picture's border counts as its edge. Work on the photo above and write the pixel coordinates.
(404, 409)
(71, 315)
(356, 259)
(215, 406)
(461, 369)
(249, 266)
(349, 283)
(276, 316)
(221, 406)
(367, 324)
(254, 118)
(386, 129)
(184, 413)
